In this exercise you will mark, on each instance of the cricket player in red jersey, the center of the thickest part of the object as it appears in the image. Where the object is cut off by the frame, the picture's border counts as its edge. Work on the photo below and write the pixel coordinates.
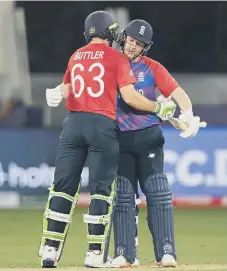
(94, 74)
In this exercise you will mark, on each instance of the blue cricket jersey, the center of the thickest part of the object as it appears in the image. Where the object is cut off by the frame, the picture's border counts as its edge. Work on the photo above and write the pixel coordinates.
(128, 118)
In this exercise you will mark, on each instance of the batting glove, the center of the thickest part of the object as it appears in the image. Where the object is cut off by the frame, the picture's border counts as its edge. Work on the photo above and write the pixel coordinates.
(54, 96)
(165, 108)
(193, 124)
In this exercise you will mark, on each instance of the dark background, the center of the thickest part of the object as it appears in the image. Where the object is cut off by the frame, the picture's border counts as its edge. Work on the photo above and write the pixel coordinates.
(188, 36)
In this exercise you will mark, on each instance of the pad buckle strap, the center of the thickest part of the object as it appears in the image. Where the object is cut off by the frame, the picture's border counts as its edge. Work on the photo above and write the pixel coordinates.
(96, 239)
(109, 199)
(56, 236)
(97, 219)
(57, 216)
(63, 195)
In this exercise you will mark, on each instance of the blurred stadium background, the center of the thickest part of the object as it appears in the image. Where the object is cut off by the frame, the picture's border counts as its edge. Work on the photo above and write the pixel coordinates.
(36, 41)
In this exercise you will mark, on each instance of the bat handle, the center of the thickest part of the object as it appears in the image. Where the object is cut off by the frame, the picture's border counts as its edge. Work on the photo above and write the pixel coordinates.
(184, 126)
(203, 124)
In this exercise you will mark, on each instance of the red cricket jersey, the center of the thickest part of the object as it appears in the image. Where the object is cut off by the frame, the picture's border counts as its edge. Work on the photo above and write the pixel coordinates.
(96, 71)
(163, 79)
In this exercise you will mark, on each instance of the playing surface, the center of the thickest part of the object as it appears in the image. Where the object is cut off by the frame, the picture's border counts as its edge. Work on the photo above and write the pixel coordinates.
(200, 237)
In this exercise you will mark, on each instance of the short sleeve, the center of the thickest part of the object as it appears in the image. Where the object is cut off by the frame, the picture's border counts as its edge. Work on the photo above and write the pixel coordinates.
(164, 80)
(66, 78)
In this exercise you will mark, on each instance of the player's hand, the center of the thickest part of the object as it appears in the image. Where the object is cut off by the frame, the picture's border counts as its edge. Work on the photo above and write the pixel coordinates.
(165, 109)
(54, 96)
(193, 124)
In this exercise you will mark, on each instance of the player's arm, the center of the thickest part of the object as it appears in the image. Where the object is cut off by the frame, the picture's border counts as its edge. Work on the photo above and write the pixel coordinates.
(183, 100)
(134, 99)
(55, 95)
(66, 90)
(67, 86)
(139, 102)
(168, 86)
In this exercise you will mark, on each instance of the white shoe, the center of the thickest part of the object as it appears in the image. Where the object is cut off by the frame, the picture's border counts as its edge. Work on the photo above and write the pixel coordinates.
(94, 259)
(167, 261)
(121, 262)
(49, 257)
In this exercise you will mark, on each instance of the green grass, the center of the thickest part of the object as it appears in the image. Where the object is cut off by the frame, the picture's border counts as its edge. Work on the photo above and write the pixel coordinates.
(200, 238)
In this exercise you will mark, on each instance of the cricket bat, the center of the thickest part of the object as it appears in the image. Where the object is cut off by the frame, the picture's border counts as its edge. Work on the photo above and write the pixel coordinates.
(178, 124)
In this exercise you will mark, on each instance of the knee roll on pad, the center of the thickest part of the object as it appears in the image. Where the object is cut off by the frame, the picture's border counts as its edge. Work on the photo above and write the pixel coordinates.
(125, 220)
(51, 216)
(157, 190)
(160, 214)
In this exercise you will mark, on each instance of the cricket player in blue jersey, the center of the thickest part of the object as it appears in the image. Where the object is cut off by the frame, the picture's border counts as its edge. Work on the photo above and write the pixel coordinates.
(141, 153)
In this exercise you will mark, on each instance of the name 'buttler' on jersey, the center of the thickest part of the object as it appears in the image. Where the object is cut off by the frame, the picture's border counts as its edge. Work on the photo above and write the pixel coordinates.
(150, 75)
(96, 71)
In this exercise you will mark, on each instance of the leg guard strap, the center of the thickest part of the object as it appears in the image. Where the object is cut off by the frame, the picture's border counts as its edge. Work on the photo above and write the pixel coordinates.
(59, 217)
(104, 219)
